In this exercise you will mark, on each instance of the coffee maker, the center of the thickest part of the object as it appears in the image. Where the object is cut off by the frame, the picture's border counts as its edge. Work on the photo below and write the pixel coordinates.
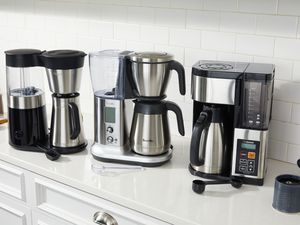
(124, 134)
(26, 99)
(64, 68)
(231, 114)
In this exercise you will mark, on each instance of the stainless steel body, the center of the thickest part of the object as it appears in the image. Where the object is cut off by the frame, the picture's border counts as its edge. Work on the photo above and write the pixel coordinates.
(26, 101)
(260, 154)
(212, 150)
(150, 80)
(61, 134)
(213, 90)
(64, 81)
(150, 134)
(116, 132)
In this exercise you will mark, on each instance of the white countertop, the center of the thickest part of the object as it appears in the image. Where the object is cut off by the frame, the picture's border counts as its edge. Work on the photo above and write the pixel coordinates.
(163, 192)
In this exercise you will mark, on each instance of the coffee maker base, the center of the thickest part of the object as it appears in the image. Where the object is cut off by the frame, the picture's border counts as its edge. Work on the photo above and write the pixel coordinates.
(64, 150)
(127, 156)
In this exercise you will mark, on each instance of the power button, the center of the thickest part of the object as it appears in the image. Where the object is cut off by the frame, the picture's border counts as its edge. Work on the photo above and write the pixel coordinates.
(110, 139)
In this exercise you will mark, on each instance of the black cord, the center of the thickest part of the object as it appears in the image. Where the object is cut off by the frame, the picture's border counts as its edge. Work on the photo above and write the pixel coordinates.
(298, 162)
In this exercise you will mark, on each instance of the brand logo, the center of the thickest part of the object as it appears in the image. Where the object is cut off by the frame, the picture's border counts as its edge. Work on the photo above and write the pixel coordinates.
(144, 140)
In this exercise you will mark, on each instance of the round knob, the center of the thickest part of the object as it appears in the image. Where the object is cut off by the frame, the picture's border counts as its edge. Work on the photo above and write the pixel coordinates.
(110, 129)
(104, 218)
(110, 139)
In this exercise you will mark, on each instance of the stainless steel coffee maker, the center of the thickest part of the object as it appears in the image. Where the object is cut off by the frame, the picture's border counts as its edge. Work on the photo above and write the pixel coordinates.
(232, 111)
(138, 135)
(64, 68)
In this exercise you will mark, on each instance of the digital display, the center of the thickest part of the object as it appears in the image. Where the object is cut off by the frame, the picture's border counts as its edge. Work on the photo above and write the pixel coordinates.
(248, 146)
(110, 116)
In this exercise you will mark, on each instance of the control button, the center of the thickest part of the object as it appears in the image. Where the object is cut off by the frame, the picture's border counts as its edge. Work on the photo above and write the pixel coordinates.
(257, 122)
(250, 169)
(250, 121)
(243, 154)
(251, 155)
(243, 161)
(243, 168)
(110, 139)
(251, 162)
(110, 129)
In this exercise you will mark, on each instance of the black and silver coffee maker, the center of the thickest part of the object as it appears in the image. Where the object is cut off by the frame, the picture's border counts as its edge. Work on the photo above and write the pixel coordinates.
(231, 114)
(26, 99)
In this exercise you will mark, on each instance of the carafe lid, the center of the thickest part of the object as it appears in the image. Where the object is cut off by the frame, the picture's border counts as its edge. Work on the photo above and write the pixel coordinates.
(23, 57)
(151, 57)
(63, 59)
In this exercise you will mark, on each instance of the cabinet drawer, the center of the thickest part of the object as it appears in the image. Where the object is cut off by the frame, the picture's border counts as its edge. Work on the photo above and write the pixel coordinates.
(12, 181)
(79, 208)
(13, 213)
(40, 218)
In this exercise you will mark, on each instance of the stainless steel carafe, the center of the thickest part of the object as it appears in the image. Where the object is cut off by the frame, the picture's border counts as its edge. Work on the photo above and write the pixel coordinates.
(150, 134)
(208, 150)
(151, 71)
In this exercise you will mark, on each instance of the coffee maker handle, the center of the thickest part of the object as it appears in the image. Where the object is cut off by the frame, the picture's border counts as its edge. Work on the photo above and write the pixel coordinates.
(201, 124)
(74, 120)
(178, 67)
(175, 108)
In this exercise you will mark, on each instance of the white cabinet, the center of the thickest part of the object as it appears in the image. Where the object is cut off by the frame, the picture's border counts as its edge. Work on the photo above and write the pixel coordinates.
(13, 213)
(26, 197)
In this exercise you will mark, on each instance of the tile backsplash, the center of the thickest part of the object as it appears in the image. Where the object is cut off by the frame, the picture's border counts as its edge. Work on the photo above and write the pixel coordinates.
(265, 31)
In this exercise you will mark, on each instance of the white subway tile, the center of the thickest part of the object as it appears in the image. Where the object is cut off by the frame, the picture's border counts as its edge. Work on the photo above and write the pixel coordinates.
(16, 20)
(238, 22)
(65, 41)
(218, 41)
(255, 45)
(170, 17)
(287, 48)
(113, 44)
(277, 150)
(140, 15)
(89, 44)
(293, 153)
(173, 91)
(298, 32)
(114, 13)
(153, 34)
(277, 25)
(126, 31)
(296, 113)
(234, 57)
(283, 68)
(69, 9)
(285, 132)
(287, 91)
(289, 7)
(281, 111)
(194, 55)
(203, 20)
(223, 5)
(7, 5)
(45, 8)
(296, 71)
(124, 2)
(34, 22)
(101, 29)
(185, 38)
(258, 6)
(156, 3)
(178, 52)
(90, 11)
(139, 46)
(187, 4)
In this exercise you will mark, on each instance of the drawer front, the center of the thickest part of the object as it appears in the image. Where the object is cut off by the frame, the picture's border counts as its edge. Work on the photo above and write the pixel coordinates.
(12, 181)
(13, 213)
(79, 208)
(40, 218)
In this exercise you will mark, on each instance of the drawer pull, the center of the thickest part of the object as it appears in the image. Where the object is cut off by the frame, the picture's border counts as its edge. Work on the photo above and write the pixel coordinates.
(104, 218)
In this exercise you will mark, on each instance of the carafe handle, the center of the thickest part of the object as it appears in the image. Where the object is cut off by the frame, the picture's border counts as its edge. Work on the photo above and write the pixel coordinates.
(178, 67)
(74, 120)
(175, 108)
(201, 124)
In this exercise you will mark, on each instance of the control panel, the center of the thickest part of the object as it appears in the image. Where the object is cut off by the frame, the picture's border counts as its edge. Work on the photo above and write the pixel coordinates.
(247, 157)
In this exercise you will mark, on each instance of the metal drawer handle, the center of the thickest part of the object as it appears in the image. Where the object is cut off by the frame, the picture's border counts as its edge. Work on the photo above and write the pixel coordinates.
(104, 218)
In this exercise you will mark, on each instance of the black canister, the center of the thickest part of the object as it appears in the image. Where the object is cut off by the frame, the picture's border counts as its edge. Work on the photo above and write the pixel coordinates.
(287, 193)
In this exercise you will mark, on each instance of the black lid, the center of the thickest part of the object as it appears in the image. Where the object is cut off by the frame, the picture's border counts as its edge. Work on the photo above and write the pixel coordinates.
(23, 57)
(219, 69)
(63, 59)
(260, 71)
